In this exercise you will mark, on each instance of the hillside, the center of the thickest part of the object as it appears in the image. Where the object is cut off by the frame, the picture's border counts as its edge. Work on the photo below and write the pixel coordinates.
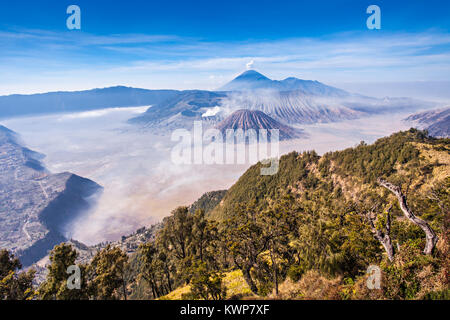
(179, 110)
(234, 281)
(312, 230)
(308, 232)
(207, 201)
(437, 122)
(36, 205)
(349, 170)
(295, 106)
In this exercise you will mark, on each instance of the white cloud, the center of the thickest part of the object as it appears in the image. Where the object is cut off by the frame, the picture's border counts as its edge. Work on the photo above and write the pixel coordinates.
(211, 112)
(52, 61)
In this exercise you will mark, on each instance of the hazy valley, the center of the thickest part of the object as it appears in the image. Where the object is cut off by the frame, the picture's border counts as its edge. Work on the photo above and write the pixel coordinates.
(126, 149)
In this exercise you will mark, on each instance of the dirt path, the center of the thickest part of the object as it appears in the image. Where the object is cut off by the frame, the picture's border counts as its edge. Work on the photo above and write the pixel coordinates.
(24, 229)
(42, 188)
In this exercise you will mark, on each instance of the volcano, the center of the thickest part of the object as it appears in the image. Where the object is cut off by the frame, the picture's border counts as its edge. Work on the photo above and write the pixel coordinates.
(253, 80)
(253, 119)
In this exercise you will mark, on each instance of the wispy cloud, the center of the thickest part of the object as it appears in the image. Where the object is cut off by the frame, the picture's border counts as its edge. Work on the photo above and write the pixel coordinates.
(36, 60)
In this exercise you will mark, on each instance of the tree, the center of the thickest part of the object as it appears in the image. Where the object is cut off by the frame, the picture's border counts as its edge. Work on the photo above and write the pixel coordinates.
(177, 232)
(107, 272)
(383, 237)
(55, 286)
(206, 284)
(185, 240)
(245, 240)
(278, 221)
(431, 237)
(167, 267)
(14, 285)
(204, 237)
(175, 240)
(8, 263)
(153, 268)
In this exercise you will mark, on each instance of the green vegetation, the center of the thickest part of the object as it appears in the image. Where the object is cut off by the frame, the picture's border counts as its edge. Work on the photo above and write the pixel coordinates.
(233, 281)
(307, 225)
(103, 279)
(308, 232)
(208, 201)
(14, 285)
(55, 286)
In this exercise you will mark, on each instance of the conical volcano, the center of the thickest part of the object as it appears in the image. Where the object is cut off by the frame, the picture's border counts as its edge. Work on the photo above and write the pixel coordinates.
(253, 119)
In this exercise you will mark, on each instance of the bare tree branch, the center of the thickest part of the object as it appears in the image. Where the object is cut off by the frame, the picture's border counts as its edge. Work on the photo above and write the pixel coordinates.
(431, 236)
(383, 238)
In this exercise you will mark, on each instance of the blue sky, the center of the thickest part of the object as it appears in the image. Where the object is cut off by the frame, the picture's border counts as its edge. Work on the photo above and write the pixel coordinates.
(202, 44)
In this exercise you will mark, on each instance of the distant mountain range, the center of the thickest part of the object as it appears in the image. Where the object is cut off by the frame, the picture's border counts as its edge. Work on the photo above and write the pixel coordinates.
(437, 122)
(250, 119)
(57, 102)
(35, 205)
(253, 80)
(289, 101)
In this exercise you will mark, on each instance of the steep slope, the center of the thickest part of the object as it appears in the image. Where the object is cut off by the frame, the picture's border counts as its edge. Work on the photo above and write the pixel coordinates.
(248, 80)
(317, 225)
(36, 206)
(207, 201)
(347, 174)
(54, 102)
(129, 243)
(247, 119)
(437, 122)
(180, 110)
(292, 106)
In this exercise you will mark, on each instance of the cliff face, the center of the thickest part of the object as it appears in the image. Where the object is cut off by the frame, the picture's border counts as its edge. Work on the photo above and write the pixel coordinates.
(35, 205)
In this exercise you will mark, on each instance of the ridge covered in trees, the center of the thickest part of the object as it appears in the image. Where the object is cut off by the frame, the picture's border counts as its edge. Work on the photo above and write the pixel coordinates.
(309, 232)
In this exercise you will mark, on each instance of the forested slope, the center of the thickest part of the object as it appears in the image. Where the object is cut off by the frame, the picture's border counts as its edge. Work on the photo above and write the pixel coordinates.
(311, 231)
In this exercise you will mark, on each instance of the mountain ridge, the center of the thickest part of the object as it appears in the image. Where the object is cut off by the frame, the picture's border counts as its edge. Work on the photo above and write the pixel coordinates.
(72, 101)
(290, 101)
(253, 80)
(436, 122)
(36, 204)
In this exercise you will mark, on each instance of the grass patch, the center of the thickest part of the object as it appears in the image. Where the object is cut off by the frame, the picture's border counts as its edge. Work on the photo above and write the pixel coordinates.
(234, 281)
